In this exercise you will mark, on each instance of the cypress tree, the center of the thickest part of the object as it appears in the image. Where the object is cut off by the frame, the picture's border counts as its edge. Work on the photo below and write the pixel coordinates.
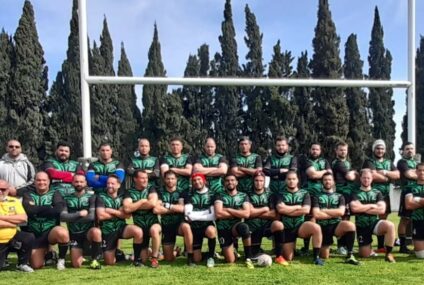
(28, 87)
(205, 91)
(358, 137)
(419, 100)
(154, 99)
(6, 61)
(227, 99)
(129, 117)
(381, 102)
(329, 103)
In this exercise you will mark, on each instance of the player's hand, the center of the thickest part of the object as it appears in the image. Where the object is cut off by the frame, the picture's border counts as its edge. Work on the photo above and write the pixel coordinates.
(83, 213)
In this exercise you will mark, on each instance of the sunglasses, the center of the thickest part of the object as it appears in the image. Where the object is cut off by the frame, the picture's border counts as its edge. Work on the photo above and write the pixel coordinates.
(14, 146)
(3, 189)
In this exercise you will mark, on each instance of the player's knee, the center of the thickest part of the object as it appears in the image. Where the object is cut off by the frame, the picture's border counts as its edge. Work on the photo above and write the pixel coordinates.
(277, 226)
(243, 230)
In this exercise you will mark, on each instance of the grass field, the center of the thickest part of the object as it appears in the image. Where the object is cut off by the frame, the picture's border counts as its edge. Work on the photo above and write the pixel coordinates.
(407, 270)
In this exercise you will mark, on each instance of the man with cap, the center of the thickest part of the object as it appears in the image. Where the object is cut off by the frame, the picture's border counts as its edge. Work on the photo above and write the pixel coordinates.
(383, 173)
(199, 212)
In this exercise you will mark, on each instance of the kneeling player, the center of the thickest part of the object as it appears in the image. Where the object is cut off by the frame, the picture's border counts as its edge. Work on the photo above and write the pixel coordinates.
(171, 209)
(140, 201)
(200, 214)
(293, 204)
(112, 216)
(230, 208)
(367, 204)
(79, 213)
(328, 209)
(414, 201)
(43, 207)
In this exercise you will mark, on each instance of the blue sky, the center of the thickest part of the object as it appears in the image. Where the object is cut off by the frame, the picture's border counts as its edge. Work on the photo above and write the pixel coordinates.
(184, 25)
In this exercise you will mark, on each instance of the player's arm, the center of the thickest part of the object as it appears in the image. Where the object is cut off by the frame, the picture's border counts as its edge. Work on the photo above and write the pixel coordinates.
(258, 212)
(5, 224)
(357, 207)
(220, 211)
(167, 208)
(16, 219)
(379, 209)
(205, 215)
(93, 180)
(252, 171)
(185, 171)
(101, 213)
(54, 174)
(65, 216)
(337, 212)
(130, 206)
(155, 173)
(316, 211)
(164, 167)
(242, 213)
(413, 203)
(314, 174)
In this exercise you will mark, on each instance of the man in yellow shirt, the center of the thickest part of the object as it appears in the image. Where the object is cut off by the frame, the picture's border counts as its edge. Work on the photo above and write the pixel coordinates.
(11, 215)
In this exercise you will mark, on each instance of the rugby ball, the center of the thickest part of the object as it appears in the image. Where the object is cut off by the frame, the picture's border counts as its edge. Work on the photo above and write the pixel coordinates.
(264, 260)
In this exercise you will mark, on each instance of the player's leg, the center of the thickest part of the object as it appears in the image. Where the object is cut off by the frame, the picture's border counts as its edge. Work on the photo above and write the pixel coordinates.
(76, 245)
(381, 238)
(110, 242)
(94, 237)
(327, 240)
(155, 234)
(226, 242)
(134, 232)
(37, 257)
(198, 235)
(169, 237)
(404, 224)
(60, 236)
(23, 242)
(387, 229)
(346, 230)
(418, 238)
(184, 230)
(210, 234)
(277, 230)
(313, 230)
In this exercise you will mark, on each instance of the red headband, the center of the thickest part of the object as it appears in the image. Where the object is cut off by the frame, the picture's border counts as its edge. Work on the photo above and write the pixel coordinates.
(198, 174)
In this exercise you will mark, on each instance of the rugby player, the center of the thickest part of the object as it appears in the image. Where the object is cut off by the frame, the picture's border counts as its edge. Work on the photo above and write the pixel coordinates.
(144, 161)
(383, 172)
(171, 210)
(293, 205)
(328, 209)
(213, 165)
(140, 202)
(79, 213)
(230, 208)
(367, 205)
(111, 215)
(43, 207)
(199, 212)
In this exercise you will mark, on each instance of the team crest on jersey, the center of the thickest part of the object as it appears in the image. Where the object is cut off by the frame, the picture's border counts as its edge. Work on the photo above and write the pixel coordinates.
(12, 209)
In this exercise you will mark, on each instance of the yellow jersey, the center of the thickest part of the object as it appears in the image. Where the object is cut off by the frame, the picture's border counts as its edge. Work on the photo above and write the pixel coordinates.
(9, 206)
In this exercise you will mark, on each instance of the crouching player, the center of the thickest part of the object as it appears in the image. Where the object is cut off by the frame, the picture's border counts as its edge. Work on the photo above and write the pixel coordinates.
(414, 200)
(79, 213)
(171, 209)
(140, 201)
(230, 208)
(111, 215)
(367, 204)
(328, 209)
(200, 214)
(293, 204)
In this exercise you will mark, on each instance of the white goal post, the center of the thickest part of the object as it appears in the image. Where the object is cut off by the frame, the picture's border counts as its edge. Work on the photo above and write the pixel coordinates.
(86, 79)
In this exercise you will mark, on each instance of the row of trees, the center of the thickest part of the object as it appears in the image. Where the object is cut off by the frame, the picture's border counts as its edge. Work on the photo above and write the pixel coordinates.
(40, 119)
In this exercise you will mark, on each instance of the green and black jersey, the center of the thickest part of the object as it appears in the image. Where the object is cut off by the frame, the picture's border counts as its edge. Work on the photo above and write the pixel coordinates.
(73, 204)
(103, 170)
(416, 190)
(172, 198)
(230, 201)
(115, 224)
(373, 196)
(142, 218)
(215, 183)
(149, 163)
(375, 164)
(179, 162)
(327, 200)
(300, 197)
(260, 200)
(253, 161)
(201, 202)
(314, 186)
(59, 183)
(272, 169)
(403, 166)
(43, 210)
(340, 169)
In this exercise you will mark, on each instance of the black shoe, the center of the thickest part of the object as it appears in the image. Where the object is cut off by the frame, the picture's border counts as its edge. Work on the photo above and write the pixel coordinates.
(119, 255)
(404, 249)
(304, 252)
(138, 263)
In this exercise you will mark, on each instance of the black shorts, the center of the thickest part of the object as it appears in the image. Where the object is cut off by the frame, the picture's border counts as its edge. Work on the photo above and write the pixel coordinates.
(388, 204)
(348, 199)
(110, 241)
(290, 235)
(256, 236)
(146, 236)
(78, 240)
(418, 230)
(42, 241)
(225, 238)
(403, 212)
(328, 232)
(169, 234)
(198, 235)
(364, 235)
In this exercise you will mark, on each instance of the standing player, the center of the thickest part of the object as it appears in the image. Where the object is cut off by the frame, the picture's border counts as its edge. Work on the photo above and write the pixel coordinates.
(213, 165)
(230, 208)
(278, 164)
(140, 202)
(61, 169)
(111, 215)
(200, 214)
(408, 176)
(328, 209)
(144, 161)
(414, 201)
(43, 207)
(79, 212)
(292, 205)
(383, 172)
(171, 210)
(99, 171)
(245, 164)
(367, 205)
(178, 162)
